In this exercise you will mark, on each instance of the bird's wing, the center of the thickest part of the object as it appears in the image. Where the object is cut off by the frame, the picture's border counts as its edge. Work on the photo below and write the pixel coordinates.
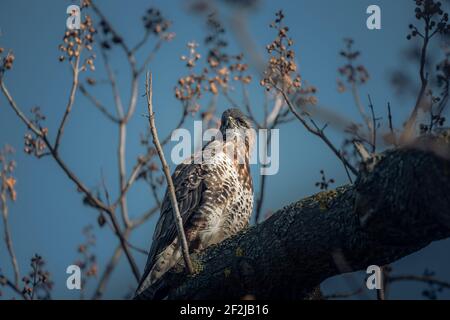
(189, 183)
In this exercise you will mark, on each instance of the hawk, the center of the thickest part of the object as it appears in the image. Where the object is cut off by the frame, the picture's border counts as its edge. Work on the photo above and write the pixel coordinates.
(214, 195)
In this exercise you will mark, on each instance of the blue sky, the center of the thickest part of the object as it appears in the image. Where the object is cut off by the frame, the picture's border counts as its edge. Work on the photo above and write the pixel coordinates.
(48, 216)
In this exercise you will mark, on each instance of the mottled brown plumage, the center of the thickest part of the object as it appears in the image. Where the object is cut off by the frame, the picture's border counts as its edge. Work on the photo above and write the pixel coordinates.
(215, 197)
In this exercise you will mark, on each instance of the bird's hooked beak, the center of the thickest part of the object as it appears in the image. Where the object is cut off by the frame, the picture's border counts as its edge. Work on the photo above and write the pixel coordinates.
(228, 123)
(231, 123)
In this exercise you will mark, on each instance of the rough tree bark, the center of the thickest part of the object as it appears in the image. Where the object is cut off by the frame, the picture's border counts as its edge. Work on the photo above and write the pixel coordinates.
(399, 204)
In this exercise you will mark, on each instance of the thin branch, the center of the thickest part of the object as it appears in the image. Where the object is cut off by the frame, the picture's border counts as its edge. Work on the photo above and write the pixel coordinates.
(408, 133)
(113, 83)
(17, 110)
(142, 42)
(427, 279)
(124, 245)
(391, 126)
(132, 61)
(8, 240)
(374, 126)
(360, 106)
(122, 172)
(153, 188)
(73, 90)
(122, 137)
(144, 217)
(98, 105)
(105, 277)
(15, 288)
(170, 186)
(317, 132)
(132, 178)
(150, 57)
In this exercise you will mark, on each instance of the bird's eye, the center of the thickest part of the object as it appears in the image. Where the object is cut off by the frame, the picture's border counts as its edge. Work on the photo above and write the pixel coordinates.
(242, 122)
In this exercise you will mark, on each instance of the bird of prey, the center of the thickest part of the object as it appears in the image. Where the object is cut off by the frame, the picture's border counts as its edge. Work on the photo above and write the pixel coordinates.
(214, 195)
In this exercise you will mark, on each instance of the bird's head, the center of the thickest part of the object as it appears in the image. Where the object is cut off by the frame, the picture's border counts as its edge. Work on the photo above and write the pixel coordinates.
(234, 119)
(236, 127)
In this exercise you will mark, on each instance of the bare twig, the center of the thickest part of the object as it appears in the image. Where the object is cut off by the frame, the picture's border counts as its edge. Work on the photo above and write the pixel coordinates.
(150, 57)
(73, 90)
(426, 279)
(360, 106)
(408, 133)
(144, 217)
(122, 172)
(17, 110)
(391, 126)
(317, 132)
(15, 288)
(113, 82)
(131, 179)
(98, 105)
(124, 245)
(170, 186)
(110, 266)
(153, 188)
(373, 141)
(8, 239)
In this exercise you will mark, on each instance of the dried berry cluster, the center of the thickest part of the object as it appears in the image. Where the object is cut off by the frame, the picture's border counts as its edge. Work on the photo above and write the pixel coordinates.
(281, 71)
(216, 41)
(306, 95)
(155, 22)
(7, 61)
(37, 284)
(436, 21)
(436, 121)
(74, 41)
(88, 260)
(35, 144)
(352, 74)
(221, 67)
(189, 87)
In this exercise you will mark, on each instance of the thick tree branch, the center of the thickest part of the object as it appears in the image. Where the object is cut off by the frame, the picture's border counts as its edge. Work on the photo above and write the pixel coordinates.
(398, 206)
